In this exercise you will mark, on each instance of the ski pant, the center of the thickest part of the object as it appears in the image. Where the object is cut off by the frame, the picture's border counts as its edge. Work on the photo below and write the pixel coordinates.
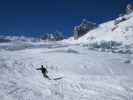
(46, 76)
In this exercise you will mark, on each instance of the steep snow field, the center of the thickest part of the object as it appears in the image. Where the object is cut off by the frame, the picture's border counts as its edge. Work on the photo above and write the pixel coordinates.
(87, 75)
(109, 31)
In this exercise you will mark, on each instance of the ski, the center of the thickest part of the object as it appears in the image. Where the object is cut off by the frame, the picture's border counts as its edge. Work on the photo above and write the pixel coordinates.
(58, 78)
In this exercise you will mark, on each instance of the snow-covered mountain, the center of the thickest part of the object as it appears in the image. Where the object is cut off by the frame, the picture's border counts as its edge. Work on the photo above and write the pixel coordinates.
(87, 74)
(18, 38)
(119, 30)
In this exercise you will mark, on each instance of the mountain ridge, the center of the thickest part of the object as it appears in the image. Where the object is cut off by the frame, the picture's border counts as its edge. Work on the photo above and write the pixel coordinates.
(110, 31)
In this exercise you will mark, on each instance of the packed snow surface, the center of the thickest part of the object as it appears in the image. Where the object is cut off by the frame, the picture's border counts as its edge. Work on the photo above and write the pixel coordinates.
(87, 74)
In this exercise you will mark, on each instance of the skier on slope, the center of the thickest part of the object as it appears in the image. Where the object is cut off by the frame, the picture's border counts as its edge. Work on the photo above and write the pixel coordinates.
(44, 72)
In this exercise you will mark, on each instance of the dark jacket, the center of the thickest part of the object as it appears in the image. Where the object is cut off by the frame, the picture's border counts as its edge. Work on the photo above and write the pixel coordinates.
(43, 69)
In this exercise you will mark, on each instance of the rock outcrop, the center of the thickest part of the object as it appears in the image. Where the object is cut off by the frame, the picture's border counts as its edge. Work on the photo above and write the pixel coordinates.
(129, 8)
(53, 36)
(83, 28)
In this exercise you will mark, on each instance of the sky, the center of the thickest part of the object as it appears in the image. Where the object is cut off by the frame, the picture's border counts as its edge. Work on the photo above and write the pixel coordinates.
(34, 17)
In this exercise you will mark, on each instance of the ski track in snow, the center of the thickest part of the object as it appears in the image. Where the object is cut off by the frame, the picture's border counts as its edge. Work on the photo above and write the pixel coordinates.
(87, 75)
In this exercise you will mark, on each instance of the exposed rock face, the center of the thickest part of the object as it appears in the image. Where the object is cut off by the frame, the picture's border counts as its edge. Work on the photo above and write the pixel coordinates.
(120, 19)
(55, 36)
(83, 28)
(129, 8)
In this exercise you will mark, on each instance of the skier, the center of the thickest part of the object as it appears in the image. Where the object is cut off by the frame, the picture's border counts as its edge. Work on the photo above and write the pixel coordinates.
(44, 72)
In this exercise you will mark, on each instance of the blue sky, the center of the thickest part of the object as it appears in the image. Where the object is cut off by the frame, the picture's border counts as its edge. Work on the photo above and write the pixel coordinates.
(35, 16)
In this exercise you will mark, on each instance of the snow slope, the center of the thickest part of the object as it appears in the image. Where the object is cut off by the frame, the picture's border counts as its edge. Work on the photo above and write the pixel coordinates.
(87, 75)
(122, 32)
